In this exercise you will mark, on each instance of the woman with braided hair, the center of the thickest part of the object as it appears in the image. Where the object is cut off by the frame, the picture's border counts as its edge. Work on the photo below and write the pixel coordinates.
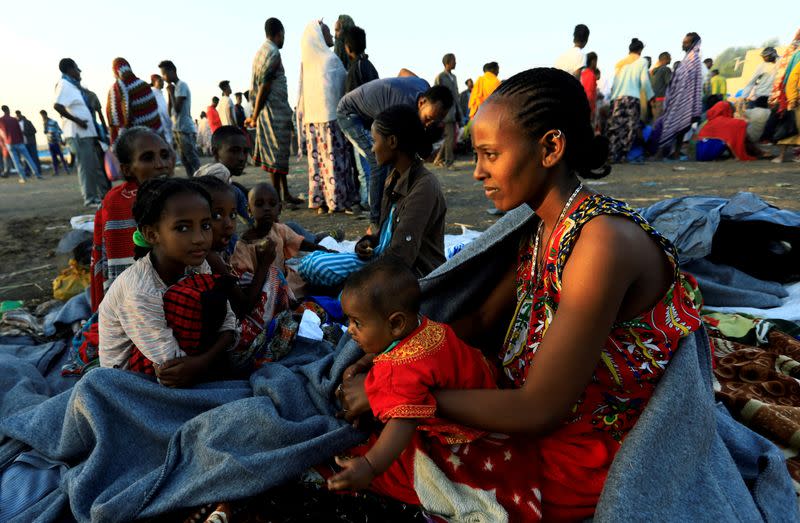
(589, 328)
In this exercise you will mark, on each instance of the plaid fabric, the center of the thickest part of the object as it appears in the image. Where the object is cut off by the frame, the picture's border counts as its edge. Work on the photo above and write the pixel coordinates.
(195, 308)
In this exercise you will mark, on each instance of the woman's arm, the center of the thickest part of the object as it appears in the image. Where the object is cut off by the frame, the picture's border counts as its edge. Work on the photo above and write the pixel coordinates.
(595, 280)
(358, 472)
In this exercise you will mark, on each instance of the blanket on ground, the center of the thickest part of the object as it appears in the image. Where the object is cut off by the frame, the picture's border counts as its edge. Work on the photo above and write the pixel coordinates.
(137, 449)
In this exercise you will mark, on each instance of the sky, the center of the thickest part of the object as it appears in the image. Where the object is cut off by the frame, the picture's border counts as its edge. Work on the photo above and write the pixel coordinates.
(214, 41)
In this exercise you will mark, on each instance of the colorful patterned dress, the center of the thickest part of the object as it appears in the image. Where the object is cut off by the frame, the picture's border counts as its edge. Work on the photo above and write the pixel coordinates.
(576, 458)
(274, 123)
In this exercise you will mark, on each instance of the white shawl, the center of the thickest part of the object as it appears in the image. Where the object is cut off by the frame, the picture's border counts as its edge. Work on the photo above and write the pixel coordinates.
(322, 77)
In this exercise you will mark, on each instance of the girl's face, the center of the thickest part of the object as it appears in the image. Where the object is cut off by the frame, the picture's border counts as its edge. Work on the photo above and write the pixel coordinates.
(152, 157)
(383, 147)
(509, 161)
(223, 218)
(183, 235)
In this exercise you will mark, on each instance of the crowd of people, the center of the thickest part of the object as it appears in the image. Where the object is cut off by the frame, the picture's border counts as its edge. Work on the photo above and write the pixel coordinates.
(573, 338)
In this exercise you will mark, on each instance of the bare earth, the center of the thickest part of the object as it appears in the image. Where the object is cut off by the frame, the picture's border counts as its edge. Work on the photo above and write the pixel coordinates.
(34, 216)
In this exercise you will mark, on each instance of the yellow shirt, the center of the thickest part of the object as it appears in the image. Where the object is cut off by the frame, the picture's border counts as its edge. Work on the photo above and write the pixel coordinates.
(719, 86)
(482, 89)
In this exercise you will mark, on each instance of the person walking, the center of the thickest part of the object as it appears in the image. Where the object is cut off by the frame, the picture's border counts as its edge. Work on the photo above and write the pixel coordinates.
(53, 133)
(15, 143)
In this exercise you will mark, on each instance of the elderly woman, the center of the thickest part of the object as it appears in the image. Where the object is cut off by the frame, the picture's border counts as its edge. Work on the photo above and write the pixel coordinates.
(322, 77)
(589, 329)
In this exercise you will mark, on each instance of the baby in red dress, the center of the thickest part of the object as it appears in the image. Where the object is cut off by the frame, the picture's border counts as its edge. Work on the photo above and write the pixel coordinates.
(414, 357)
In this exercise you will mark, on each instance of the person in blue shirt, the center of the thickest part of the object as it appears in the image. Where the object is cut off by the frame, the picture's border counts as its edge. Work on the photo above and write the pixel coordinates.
(53, 132)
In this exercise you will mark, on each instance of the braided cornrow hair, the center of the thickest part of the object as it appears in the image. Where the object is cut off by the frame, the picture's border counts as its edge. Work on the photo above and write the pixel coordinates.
(152, 197)
(545, 99)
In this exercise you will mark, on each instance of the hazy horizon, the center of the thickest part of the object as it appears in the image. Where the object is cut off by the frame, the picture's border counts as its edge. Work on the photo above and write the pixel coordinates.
(209, 43)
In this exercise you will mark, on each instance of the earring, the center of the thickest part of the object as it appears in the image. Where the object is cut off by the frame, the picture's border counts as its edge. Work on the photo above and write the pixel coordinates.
(557, 134)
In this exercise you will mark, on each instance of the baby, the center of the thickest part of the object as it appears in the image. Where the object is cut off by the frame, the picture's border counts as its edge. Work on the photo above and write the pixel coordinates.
(414, 357)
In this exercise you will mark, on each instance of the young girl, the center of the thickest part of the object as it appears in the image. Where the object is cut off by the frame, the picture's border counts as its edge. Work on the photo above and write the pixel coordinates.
(412, 211)
(173, 238)
(412, 357)
(142, 155)
(592, 327)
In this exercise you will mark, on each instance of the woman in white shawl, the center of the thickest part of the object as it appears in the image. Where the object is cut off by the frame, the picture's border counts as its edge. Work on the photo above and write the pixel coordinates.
(322, 76)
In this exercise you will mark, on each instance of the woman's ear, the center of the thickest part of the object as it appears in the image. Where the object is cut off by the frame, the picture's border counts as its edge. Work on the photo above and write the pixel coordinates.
(553, 145)
(391, 140)
(398, 321)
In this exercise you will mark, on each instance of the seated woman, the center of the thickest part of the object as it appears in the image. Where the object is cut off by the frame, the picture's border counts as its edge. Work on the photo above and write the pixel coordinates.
(413, 208)
(142, 155)
(591, 328)
(721, 125)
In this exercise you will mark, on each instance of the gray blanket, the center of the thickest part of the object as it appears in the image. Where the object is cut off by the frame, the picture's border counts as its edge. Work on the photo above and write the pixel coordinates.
(138, 449)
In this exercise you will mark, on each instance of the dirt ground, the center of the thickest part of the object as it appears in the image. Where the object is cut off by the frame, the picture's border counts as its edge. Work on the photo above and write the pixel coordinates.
(34, 216)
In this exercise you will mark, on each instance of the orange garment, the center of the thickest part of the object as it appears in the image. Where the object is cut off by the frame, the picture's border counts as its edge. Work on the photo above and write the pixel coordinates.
(482, 89)
(287, 245)
(589, 83)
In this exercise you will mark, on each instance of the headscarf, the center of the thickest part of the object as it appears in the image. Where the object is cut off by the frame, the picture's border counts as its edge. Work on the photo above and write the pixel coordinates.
(131, 102)
(217, 170)
(723, 126)
(345, 22)
(684, 98)
(322, 77)
(789, 60)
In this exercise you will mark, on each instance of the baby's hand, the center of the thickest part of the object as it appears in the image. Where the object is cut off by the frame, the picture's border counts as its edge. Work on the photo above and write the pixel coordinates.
(356, 474)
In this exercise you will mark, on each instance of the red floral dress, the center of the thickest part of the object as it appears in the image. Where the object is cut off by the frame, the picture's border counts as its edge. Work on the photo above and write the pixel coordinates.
(576, 458)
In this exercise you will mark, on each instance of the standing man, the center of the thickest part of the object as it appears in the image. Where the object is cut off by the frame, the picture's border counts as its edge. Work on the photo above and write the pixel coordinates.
(15, 142)
(447, 79)
(272, 115)
(179, 104)
(357, 110)
(463, 100)
(80, 130)
(213, 116)
(227, 114)
(53, 133)
(659, 78)
(29, 132)
(156, 84)
(484, 87)
(574, 58)
(760, 84)
(238, 111)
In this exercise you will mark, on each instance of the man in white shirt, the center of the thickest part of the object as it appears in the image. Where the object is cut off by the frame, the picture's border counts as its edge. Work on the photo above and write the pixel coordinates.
(760, 85)
(156, 84)
(574, 59)
(225, 106)
(80, 131)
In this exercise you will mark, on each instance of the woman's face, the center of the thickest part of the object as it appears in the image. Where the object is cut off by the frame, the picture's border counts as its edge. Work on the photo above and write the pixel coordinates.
(152, 158)
(509, 161)
(383, 148)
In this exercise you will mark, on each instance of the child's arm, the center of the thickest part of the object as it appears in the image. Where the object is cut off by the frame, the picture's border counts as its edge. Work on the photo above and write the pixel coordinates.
(188, 370)
(308, 246)
(357, 473)
(265, 256)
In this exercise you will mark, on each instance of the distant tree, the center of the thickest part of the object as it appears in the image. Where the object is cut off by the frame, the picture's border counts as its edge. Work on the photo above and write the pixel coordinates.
(729, 62)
